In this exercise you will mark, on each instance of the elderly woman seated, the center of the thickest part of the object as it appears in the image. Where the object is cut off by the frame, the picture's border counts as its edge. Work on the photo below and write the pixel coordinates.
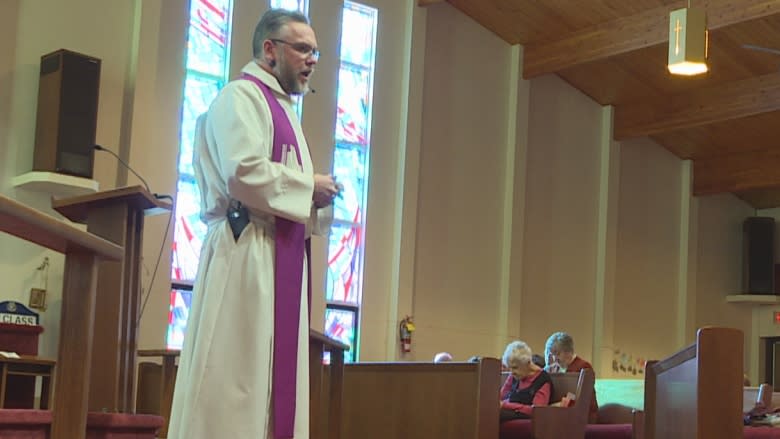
(528, 385)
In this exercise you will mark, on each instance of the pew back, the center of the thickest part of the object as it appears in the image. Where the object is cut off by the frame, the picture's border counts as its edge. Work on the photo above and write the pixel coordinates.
(421, 400)
(750, 396)
(565, 422)
(697, 392)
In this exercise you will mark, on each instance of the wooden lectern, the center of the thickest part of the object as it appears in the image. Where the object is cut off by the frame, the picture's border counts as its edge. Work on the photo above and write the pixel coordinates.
(82, 252)
(118, 216)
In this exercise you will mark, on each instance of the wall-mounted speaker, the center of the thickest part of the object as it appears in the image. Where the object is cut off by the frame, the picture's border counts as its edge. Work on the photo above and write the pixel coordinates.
(67, 113)
(758, 257)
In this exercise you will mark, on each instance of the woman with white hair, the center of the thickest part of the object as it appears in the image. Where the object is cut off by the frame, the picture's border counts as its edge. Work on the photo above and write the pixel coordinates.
(527, 386)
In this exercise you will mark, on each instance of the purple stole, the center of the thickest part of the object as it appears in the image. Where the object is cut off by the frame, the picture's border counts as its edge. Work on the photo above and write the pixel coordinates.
(290, 244)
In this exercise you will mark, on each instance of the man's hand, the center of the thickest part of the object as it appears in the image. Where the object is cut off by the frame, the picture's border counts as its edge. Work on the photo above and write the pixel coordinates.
(325, 189)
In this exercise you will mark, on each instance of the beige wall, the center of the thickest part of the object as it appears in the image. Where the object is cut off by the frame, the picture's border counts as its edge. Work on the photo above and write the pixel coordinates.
(459, 210)
(719, 272)
(140, 45)
(647, 250)
(499, 208)
(561, 212)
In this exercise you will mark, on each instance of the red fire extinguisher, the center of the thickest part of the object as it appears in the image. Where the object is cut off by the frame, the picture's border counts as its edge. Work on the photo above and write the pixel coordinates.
(405, 331)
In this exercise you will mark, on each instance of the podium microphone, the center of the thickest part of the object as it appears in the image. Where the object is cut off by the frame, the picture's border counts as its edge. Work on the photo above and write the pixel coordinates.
(165, 237)
(146, 185)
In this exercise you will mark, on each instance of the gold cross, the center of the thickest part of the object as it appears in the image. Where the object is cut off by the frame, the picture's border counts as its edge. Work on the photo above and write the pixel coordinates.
(677, 30)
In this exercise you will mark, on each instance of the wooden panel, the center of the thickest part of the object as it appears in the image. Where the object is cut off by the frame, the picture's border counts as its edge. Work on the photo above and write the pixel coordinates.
(641, 75)
(761, 198)
(598, 42)
(565, 422)
(109, 222)
(737, 172)
(734, 136)
(522, 21)
(719, 385)
(150, 384)
(699, 107)
(610, 82)
(629, 33)
(421, 400)
(75, 346)
(683, 391)
(27, 223)
(77, 209)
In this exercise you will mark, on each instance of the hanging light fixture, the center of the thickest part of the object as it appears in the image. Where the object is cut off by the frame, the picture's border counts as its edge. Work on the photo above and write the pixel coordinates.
(688, 41)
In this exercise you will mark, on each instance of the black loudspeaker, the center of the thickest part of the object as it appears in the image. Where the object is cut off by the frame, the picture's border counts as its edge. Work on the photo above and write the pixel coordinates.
(758, 260)
(67, 113)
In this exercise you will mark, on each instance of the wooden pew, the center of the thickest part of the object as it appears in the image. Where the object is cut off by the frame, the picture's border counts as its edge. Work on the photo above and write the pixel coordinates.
(556, 422)
(697, 392)
(421, 400)
(565, 422)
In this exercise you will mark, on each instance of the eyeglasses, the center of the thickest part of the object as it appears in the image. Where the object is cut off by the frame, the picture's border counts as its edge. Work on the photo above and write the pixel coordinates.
(302, 48)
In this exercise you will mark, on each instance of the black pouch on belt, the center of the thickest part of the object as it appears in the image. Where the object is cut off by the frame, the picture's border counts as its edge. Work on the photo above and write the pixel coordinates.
(237, 217)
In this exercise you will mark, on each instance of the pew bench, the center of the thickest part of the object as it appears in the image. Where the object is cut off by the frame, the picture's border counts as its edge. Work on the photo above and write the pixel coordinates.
(557, 422)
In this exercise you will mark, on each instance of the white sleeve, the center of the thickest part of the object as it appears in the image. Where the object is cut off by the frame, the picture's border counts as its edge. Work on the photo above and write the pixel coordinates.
(241, 125)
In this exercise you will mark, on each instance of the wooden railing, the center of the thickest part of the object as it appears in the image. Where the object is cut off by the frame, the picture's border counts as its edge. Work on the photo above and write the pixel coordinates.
(82, 252)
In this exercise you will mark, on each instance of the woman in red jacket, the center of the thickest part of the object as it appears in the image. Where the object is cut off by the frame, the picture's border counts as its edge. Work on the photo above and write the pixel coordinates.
(528, 385)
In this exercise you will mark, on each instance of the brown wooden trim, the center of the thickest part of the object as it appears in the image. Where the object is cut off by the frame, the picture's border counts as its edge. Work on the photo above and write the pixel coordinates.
(745, 171)
(626, 34)
(704, 106)
(32, 225)
(424, 3)
(72, 376)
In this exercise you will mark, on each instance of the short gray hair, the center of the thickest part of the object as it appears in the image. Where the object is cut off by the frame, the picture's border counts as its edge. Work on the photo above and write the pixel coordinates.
(559, 342)
(269, 26)
(517, 352)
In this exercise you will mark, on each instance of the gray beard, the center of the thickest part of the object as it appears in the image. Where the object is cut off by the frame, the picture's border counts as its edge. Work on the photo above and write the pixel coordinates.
(289, 82)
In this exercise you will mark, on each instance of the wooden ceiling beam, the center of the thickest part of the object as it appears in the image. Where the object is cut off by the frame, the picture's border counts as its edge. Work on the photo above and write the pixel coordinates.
(631, 33)
(743, 172)
(698, 107)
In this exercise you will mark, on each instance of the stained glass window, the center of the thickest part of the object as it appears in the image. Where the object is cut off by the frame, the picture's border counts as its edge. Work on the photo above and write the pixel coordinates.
(344, 278)
(340, 324)
(207, 63)
(177, 317)
(208, 47)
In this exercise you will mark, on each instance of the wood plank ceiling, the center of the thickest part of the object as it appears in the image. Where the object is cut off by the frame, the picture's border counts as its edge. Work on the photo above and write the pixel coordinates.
(727, 121)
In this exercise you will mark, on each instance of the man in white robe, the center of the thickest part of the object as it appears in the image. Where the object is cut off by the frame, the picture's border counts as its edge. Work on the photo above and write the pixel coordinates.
(225, 379)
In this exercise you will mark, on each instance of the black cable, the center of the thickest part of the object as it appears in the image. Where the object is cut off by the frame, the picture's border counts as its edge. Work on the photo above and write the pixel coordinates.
(156, 266)
(126, 165)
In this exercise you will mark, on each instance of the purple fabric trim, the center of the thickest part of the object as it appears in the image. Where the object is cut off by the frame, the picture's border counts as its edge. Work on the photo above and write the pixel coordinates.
(290, 245)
